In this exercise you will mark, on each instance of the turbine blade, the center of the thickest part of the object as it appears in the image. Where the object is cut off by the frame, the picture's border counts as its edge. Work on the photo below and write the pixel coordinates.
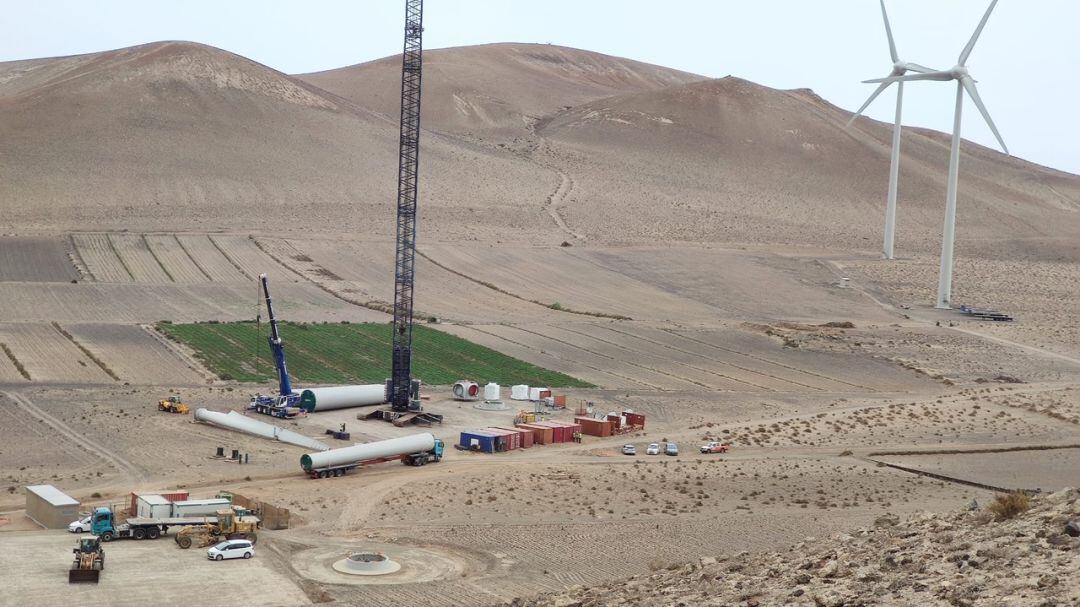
(942, 76)
(880, 89)
(975, 37)
(973, 92)
(922, 69)
(888, 32)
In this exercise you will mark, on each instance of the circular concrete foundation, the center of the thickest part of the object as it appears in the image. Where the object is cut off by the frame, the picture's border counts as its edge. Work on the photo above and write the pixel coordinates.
(492, 405)
(366, 563)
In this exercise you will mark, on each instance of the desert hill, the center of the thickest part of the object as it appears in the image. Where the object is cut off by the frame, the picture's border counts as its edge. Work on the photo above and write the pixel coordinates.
(528, 142)
(496, 89)
(731, 160)
(176, 135)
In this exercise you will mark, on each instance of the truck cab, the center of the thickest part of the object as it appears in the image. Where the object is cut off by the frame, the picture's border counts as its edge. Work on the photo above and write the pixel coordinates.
(423, 457)
(101, 523)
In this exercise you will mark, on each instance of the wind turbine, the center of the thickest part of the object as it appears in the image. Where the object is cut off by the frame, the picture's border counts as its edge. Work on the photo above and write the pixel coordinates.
(899, 68)
(964, 82)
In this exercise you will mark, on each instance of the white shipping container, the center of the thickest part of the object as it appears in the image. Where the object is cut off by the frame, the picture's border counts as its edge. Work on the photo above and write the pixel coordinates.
(200, 507)
(153, 506)
(519, 392)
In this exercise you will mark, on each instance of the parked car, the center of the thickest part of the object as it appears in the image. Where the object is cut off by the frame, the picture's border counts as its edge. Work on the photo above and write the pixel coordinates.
(671, 449)
(231, 549)
(629, 450)
(80, 526)
(653, 449)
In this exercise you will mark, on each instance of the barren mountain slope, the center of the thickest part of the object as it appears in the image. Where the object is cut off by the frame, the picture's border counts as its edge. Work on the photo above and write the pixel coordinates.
(496, 88)
(179, 136)
(730, 160)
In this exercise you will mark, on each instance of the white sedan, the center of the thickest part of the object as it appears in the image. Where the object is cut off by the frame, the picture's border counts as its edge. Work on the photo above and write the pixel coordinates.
(80, 526)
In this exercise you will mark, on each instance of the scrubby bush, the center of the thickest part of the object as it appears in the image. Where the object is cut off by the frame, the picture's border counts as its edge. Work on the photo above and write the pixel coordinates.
(1010, 505)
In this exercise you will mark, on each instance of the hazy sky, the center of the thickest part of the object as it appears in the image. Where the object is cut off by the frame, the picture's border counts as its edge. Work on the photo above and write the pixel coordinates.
(1025, 62)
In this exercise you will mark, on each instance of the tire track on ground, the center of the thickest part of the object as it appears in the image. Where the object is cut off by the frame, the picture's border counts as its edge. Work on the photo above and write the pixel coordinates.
(771, 362)
(622, 347)
(576, 362)
(632, 364)
(117, 461)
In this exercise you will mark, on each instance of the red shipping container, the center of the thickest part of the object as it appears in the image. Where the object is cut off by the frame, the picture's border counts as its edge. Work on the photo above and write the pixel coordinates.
(558, 433)
(616, 420)
(513, 439)
(541, 434)
(594, 427)
(172, 496)
(528, 437)
(545, 394)
(635, 420)
(564, 429)
(560, 401)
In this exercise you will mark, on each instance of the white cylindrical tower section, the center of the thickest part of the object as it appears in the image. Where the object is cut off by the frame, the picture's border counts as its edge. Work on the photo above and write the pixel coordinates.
(414, 443)
(492, 391)
(342, 397)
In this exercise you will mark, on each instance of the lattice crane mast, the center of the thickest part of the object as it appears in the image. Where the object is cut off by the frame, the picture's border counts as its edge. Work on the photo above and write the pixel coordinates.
(403, 393)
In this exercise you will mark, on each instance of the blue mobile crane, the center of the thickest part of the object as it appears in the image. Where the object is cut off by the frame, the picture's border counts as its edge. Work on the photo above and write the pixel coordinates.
(286, 403)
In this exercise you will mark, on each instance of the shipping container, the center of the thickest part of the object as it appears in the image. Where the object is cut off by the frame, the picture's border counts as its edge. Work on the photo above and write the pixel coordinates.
(173, 495)
(478, 441)
(634, 420)
(153, 506)
(560, 401)
(541, 434)
(513, 439)
(595, 427)
(562, 431)
(616, 421)
(526, 436)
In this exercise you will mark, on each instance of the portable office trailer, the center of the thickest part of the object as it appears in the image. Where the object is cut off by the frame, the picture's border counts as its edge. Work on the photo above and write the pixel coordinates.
(171, 495)
(199, 507)
(50, 507)
(477, 441)
(153, 506)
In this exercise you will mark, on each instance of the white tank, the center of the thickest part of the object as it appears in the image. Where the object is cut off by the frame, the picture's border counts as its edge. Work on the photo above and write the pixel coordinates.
(519, 392)
(492, 391)
(534, 394)
(342, 397)
(414, 443)
(466, 390)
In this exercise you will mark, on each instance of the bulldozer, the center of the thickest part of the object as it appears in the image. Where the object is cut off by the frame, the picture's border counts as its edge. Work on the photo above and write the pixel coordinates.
(229, 526)
(172, 405)
(89, 560)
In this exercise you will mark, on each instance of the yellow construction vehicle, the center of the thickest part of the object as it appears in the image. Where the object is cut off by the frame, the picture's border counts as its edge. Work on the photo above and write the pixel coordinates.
(229, 526)
(172, 405)
(89, 560)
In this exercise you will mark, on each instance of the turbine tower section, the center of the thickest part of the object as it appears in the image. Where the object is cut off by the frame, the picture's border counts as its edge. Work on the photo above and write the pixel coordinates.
(401, 394)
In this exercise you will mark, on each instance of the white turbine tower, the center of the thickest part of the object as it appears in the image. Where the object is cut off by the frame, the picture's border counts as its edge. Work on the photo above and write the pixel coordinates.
(899, 68)
(964, 82)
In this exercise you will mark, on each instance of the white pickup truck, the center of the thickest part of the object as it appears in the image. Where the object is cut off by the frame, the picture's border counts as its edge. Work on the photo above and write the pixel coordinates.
(714, 447)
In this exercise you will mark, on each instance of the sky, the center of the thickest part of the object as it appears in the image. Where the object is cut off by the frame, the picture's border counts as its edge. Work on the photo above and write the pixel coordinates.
(1025, 61)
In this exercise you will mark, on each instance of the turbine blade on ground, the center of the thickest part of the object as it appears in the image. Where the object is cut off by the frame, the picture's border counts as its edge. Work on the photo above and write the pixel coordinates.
(969, 86)
(888, 32)
(880, 89)
(975, 37)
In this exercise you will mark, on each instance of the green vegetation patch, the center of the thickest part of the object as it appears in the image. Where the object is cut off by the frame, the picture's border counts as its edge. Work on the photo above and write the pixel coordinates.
(352, 353)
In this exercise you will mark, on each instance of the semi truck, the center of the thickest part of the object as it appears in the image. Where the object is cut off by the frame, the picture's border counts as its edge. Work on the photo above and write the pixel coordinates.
(105, 526)
(412, 450)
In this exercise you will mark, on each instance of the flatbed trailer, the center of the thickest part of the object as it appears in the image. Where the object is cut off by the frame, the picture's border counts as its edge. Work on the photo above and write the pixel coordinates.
(139, 528)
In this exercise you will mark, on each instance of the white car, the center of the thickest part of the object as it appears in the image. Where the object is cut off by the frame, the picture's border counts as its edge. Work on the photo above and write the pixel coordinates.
(231, 549)
(80, 526)
(653, 449)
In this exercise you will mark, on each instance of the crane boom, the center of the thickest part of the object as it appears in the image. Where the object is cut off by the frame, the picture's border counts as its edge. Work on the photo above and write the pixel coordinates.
(400, 395)
(276, 345)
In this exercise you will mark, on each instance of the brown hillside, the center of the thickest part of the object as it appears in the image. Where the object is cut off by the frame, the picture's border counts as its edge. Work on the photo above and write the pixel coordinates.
(730, 160)
(176, 135)
(497, 88)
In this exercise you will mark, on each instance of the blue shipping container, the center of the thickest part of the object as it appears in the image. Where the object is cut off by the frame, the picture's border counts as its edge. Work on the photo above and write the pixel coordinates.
(480, 441)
